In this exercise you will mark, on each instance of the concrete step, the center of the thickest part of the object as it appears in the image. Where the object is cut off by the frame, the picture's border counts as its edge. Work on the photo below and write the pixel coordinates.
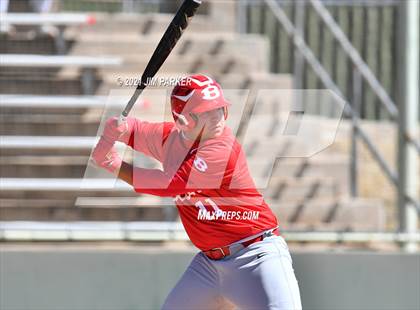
(266, 148)
(255, 81)
(205, 64)
(301, 189)
(332, 215)
(334, 167)
(43, 166)
(69, 189)
(191, 44)
(145, 24)
(319, 215)
(39, 108)
(61, 124)
(68, 81)
(45, 119)
(312, 101)
(279, 125)
(62, 213)
(40, 45)
(69, 199)
(48, 125)
(85, 107)
(55, 166)
(251, 81)
(41, 86)
(317, 166)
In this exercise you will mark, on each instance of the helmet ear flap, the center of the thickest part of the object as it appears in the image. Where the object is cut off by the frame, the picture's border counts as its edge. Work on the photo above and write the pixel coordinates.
(185, 122)
(192, 121)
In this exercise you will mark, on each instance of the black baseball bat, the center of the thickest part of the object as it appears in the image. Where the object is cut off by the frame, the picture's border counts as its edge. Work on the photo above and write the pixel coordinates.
(171, 36)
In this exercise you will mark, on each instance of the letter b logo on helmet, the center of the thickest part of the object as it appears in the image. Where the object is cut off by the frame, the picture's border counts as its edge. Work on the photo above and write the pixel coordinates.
(210, 92)
(196, 94)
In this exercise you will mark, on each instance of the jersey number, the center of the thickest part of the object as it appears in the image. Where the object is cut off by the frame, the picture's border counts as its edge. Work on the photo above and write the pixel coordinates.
(199, 204)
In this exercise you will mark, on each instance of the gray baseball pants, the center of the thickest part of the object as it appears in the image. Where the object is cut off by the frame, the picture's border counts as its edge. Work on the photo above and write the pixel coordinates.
(259, 276)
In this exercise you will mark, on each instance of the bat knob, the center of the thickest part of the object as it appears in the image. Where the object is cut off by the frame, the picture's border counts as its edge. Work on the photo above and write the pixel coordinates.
(121, 120)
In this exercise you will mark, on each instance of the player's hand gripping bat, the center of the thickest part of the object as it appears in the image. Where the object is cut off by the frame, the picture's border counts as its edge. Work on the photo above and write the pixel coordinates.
(167, 43)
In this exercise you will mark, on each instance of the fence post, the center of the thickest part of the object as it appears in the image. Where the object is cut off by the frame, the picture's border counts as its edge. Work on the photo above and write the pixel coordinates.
(128, 6)
(408, 160)
(354, 165)
(299, 62)
(241, 7)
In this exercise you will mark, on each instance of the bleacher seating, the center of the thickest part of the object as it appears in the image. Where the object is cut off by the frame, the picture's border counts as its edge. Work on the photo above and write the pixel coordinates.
(37, 66)
(48, 128)
(59, 20)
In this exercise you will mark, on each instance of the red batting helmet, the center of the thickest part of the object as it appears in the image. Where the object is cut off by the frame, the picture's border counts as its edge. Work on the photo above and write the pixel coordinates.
(196, 94)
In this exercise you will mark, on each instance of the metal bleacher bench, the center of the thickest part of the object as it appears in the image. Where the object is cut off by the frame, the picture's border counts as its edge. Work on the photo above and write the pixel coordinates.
(46, 142)
(156, 231)
(31, 101)
(12, 184)
(64, 102)
(109, 186)
(56, 19)
(87, 64)
(59, 20)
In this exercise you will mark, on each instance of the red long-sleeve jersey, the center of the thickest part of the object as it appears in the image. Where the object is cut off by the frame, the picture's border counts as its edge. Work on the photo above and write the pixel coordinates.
(209, 180)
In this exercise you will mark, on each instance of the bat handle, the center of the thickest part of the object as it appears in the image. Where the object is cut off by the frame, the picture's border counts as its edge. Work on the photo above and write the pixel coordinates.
(122, 119)
(130, 104)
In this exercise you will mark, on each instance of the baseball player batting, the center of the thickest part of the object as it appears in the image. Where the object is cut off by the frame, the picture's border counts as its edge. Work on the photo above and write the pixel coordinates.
(242, 256)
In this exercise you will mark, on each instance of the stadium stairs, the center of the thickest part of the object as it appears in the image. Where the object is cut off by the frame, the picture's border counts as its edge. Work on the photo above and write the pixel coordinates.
(41, 178)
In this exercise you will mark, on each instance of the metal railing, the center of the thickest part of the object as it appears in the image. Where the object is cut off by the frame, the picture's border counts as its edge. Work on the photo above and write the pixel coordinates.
(362, 77)
(365, 72)
(371, 29)
(327, 81)
(165, 231)
(125, 6)
(113, 6)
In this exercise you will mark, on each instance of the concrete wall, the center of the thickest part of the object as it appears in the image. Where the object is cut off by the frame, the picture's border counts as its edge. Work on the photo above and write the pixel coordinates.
(123, 279)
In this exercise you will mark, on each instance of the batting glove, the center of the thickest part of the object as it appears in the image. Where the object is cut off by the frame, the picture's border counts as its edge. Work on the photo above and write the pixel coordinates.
(118, 132)
(105, 156)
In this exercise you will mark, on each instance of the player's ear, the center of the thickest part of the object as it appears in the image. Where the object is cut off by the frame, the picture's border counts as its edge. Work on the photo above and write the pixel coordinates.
(194, 118)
